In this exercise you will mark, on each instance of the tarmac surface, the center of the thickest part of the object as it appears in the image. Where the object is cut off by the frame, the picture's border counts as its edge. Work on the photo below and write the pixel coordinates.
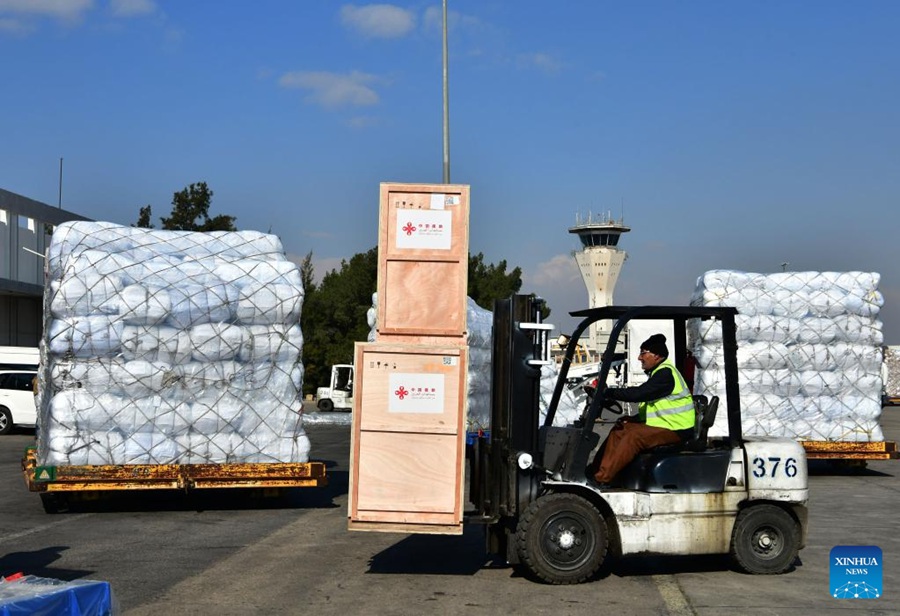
(225, 554)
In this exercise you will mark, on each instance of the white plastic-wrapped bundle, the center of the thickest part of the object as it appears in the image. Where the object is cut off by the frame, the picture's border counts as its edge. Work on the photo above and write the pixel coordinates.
(480, 325)
(169, 347)
(891, 371)
(809, 352)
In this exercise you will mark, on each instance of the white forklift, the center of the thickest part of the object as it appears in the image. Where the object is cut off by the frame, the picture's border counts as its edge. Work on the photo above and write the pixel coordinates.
(338, 396)
(737, 495)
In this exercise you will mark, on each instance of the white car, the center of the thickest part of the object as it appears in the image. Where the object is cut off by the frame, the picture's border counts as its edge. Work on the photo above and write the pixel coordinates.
(17, 405)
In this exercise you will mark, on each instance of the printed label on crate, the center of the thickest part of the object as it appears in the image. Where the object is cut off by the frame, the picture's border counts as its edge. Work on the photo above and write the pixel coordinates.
(415, 393)
(440, 201)
(430, 229)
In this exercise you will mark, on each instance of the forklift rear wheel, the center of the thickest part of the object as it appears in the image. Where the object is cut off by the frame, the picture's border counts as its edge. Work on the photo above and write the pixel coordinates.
(562, 539)
(326, 405)
(766, 540)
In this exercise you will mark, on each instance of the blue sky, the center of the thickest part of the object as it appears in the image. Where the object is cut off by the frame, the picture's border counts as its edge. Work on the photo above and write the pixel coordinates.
(730, 135)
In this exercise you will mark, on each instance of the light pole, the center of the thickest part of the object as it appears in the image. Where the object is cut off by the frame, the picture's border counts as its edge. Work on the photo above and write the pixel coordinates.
(446, 106)
(60, 183)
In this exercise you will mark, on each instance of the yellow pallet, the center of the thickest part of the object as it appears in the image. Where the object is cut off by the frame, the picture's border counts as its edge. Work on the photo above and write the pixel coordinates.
(170, 476)
(834, 450)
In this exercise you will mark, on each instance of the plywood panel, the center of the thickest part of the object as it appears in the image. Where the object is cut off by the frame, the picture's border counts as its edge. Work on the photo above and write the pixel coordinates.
(423, 250)
(410, 388)
(411, 473)
(423, 298)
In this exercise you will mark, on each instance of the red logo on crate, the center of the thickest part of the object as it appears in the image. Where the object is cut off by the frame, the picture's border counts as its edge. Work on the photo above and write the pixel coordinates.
(409, 228)
(401, 392)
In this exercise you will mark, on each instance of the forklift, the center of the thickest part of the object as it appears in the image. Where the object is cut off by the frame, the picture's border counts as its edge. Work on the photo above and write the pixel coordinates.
(746, 497)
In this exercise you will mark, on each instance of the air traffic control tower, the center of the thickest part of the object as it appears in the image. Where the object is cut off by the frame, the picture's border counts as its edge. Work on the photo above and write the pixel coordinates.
(600, 261)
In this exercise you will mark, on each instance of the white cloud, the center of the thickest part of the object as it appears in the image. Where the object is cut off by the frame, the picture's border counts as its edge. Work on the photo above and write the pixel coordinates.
(378, 20)
(540, 61)
(560, 270)
(64, 10)
(331, 89)
(132, 8)
(15, 26)
(434, 20)
(559, 282)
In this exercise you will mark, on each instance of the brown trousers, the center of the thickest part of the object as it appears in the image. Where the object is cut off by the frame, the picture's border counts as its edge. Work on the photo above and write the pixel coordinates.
(625, 441)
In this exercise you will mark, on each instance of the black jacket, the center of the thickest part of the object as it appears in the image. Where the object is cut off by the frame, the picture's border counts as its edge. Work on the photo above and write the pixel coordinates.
(659, 385)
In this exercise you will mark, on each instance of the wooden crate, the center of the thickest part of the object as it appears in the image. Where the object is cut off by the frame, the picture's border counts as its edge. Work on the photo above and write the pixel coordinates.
(423, 263)
(407, 460)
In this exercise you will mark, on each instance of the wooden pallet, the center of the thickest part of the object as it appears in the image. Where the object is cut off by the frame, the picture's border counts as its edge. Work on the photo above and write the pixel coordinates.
(834, 450)
(170, 476)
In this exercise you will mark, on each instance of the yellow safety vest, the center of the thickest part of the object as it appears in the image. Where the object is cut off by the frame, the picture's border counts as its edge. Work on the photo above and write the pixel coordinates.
(675, 411)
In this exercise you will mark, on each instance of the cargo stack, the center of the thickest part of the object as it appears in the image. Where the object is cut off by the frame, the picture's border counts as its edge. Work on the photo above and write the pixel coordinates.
(169, 347)
(409, 416)
(809, 353)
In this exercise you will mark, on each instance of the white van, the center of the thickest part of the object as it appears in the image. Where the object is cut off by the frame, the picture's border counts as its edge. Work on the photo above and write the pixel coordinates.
(18, 368)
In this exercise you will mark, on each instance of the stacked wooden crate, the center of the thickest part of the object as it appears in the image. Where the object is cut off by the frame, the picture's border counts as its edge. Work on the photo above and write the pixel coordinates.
(408, 440)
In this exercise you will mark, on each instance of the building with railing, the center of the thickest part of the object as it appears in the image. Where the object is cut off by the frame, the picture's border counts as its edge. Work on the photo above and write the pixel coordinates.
(25, 228)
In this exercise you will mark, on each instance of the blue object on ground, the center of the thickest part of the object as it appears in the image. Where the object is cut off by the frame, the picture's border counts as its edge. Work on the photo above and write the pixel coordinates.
(30, 595)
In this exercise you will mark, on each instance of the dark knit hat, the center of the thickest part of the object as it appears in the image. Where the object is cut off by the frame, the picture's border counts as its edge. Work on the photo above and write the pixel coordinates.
(656, 344)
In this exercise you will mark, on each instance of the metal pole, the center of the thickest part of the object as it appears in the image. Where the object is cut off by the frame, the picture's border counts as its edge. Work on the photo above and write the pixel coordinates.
(446, 106)
(60, 182)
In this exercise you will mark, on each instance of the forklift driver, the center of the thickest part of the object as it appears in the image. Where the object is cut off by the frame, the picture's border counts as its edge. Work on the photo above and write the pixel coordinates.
(665, 413)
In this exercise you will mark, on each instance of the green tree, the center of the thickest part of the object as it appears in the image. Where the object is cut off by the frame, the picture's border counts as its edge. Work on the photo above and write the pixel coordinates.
(307, 273)
(489, 282)
(190, 212)
(334, 312)
(144, 218)
(334, 317)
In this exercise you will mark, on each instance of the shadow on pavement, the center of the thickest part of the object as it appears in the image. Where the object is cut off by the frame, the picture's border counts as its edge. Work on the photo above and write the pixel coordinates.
(39, 563)
(234, 499)
(434, 554)
(818, 468)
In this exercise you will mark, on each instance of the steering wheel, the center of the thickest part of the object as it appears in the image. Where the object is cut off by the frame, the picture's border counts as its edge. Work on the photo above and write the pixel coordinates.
(613, 406)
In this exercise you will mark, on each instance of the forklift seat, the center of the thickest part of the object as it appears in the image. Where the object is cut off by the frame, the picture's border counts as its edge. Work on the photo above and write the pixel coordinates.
(706, 417)
(687, 467)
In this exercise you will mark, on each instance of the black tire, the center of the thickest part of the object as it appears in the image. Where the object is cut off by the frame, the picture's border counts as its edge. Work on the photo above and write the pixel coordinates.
(562, 539)
(326, 405)
(6, 420)
(53, 502)
(765, 540)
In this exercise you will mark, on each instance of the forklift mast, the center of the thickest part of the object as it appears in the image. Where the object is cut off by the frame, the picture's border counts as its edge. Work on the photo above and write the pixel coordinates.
(499, 489)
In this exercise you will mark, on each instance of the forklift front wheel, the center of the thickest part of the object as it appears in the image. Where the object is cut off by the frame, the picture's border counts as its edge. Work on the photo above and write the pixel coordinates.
(766, 540)
(326, 405)
(562, 539)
